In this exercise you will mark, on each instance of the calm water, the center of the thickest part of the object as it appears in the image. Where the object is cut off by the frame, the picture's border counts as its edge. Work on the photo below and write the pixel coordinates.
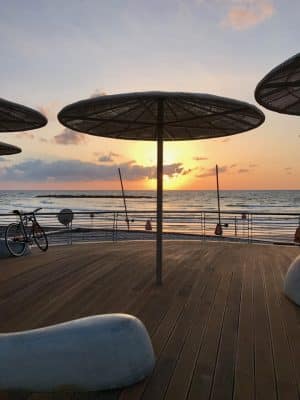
(242, 201)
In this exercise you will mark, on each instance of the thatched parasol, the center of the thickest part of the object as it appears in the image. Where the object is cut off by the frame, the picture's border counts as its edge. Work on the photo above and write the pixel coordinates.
(279, 90)
(8, 149)
(160, 116)
(16, 117)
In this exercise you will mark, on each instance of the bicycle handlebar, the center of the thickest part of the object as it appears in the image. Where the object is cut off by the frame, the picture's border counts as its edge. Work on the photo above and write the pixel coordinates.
(28, 213)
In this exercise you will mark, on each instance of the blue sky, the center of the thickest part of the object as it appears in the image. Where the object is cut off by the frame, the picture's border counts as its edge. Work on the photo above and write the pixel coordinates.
(57, 52)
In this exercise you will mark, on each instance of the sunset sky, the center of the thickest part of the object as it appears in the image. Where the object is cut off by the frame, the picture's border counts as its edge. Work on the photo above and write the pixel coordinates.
(56, 52)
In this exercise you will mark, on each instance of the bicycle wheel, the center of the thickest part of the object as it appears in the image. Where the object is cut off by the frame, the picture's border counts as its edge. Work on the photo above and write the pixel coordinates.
(39, 236)
(15, 239)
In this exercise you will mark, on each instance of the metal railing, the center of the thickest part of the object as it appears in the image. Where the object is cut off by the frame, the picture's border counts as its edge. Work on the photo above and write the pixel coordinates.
(178, 224)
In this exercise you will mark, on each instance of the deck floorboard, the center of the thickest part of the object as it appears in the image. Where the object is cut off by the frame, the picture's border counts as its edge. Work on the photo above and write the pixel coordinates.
(220, 326)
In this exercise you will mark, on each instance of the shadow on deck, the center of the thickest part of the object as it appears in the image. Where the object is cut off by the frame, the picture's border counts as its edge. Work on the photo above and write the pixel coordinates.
(220, 326)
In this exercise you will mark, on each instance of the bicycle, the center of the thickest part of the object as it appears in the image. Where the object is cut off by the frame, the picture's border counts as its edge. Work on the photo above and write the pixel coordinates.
(18, 234)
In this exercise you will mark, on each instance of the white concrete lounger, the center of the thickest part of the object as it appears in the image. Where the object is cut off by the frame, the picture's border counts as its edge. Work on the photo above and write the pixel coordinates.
(4, 253)
(292, 281)
(94, 353)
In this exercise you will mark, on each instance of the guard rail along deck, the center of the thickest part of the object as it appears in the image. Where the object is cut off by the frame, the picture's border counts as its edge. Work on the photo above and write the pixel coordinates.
(90, 226)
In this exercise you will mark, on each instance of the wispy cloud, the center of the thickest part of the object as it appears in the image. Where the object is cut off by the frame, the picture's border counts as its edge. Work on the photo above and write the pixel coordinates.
(25, 135)
(244, 14)
(212, 171)
(243, 170)
(97, 93)
(49, 109)
(76, 170)
(288, 170)
(200, 158)
(110, 157)
(69, 137)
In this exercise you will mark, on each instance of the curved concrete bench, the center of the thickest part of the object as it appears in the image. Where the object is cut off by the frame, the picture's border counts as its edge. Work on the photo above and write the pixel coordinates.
(292, 281)
(94, 353)
(4, 253)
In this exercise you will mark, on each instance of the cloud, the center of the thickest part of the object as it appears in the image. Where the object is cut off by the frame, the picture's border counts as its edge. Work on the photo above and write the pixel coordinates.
(69, 137)
(108, 157)
(243, 170)
(253, 165)
(243, 14)
(288, 170)
(98, 93)
(200, 158)
(50, 109)
(25, 135)
(76, 170)
(212, 171)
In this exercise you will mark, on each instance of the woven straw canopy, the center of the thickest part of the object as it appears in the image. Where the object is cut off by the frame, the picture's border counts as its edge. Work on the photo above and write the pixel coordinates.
(184, 116)
(16, 117)
(8, 149)
(279, 90)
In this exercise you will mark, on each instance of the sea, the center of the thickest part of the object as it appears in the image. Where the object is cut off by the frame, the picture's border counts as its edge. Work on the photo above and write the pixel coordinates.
(187, 211)
(273, 201)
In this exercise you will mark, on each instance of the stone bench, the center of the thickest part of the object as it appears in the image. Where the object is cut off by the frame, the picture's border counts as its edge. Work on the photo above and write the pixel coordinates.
(4, 253)
(292, 282)
(94, 353)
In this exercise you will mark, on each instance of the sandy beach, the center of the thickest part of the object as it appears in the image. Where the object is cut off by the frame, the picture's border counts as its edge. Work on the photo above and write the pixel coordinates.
(220, 325)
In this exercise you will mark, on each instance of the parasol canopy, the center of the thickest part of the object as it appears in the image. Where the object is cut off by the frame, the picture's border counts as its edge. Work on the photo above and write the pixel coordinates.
(8, 149)
(279, 90)
(184, 116)
(160, 116)
(16, 117)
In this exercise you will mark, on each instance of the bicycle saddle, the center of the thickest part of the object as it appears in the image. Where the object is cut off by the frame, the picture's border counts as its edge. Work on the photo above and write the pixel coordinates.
(16, 212)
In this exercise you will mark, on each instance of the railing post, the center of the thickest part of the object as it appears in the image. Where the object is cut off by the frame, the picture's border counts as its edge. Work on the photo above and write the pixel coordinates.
(114, 227)
(248, 228)
(116, 236)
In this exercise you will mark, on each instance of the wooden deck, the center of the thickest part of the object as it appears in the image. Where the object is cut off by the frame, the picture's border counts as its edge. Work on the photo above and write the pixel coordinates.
(220, 326)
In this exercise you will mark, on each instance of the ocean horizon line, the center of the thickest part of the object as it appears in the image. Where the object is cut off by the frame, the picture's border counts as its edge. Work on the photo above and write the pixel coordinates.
(148, 190)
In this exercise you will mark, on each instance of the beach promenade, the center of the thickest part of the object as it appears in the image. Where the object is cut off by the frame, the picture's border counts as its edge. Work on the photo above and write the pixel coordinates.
(220, 325)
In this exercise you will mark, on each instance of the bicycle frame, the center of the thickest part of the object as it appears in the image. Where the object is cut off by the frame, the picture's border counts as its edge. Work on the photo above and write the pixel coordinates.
(25, 219)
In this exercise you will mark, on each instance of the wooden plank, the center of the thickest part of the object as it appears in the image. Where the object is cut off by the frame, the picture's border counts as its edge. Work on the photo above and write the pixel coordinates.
(180, 381)
(161, 335)
(284, 367)
(244, 387)
(26, 302)
(289, 313)
(205, 365)
(158, 382)
(223, 383)
(203, 349)
(265, 385)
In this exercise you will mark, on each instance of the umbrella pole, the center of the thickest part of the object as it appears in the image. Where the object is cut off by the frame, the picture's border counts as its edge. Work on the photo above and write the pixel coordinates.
(159, 198)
